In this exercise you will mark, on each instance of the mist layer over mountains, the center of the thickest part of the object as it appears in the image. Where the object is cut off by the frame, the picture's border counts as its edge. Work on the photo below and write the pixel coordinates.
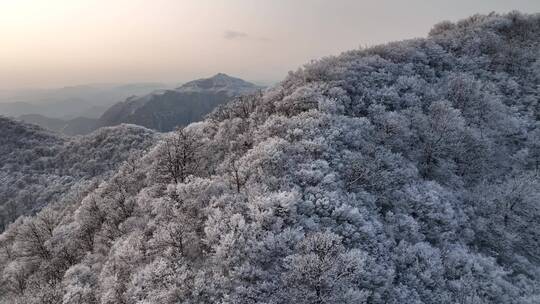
(159, 109)
(70, 102)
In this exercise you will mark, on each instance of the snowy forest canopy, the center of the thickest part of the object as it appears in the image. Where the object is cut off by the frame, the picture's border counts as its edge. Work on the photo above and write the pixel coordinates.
(38, 167)
(401, 173)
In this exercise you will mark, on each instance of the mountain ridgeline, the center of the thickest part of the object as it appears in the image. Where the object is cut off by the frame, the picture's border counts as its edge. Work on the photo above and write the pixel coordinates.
(75, 126)
(161, 110)
(70, 102)
(165, 110)
(38, 167)
(400, 173)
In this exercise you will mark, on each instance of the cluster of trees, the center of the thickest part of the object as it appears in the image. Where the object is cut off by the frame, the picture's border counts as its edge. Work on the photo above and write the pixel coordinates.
(38, 167)
(404, 173)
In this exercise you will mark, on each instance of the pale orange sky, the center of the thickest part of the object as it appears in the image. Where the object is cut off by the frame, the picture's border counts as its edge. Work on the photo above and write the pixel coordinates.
(52, 43)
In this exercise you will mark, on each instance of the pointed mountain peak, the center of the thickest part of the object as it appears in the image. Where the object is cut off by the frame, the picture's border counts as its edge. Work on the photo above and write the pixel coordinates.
(220, 82)
(221, 75)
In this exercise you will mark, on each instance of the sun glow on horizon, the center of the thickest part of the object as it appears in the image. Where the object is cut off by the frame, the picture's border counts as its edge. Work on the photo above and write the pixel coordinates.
(66, 42)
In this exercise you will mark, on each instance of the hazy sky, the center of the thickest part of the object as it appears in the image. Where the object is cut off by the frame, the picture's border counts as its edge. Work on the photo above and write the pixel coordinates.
(51, 43)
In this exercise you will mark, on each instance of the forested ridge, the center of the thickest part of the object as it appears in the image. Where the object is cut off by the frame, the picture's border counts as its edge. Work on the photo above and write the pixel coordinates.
(400, 173)
(38, 167)
(165, 110)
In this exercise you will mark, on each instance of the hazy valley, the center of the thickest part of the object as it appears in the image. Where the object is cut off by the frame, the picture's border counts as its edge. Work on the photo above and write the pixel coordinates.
(161, 110)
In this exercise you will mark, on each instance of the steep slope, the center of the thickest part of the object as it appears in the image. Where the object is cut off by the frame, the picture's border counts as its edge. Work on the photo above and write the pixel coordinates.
(39, 167)
(403, 173)
(165, 110)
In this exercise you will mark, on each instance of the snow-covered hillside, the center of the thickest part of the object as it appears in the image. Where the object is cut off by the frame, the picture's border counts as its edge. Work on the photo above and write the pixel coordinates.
(402, 173)
(38, 167)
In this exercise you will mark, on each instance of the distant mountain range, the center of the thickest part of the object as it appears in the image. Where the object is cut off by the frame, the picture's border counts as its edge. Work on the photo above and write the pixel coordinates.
(70, 102)
(161, 110)
(164, 110)
(76, 126)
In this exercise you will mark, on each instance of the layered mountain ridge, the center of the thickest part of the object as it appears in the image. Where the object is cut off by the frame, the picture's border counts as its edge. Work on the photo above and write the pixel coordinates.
(75, 126)
(161, 110)
(165, 110)
(70, 102)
